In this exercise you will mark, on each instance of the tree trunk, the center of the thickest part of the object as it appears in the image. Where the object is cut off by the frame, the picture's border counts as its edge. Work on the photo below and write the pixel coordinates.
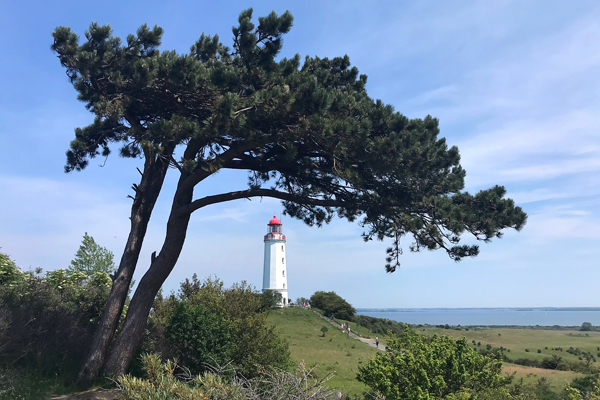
(137, 313)
(155, 169)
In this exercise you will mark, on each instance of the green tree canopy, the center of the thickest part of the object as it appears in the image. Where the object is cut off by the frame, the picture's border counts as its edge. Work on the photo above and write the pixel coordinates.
(270, 299)
(92, 258)
(418, 367)
(586, 326)
(332, 304)
(9, 272)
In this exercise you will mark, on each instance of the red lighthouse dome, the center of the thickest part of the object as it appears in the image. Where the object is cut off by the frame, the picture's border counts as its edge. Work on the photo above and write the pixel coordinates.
(274, 231)
(274, 221)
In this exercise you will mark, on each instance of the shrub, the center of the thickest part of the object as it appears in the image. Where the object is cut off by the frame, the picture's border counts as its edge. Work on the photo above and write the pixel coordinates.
(270, 299)
(200, 336)
(332, 304)
(527, 362)
(554, 362)
(271, 384)
(586, 326)
(47, 322)
(252, 344)
(438, 366)
(379, 325)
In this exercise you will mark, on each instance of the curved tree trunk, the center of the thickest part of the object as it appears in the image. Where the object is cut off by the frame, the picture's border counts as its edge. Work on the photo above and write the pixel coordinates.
(155, 169)
(137, 313)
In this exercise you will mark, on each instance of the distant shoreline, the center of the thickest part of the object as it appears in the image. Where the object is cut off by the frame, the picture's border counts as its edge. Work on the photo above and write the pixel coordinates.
(514, 317)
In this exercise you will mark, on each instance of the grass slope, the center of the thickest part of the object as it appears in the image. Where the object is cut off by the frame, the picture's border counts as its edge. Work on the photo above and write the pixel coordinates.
(519, 340)
(335, 352)
(339, 354)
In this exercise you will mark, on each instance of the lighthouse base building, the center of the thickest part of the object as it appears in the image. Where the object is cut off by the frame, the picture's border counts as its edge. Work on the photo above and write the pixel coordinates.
(274, 270)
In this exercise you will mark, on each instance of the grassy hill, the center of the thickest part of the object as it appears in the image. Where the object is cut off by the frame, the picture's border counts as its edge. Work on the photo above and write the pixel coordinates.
(342, 355)
(335, 352)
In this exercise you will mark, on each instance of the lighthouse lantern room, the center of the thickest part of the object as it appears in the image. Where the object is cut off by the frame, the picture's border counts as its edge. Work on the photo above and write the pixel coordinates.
(274, 272)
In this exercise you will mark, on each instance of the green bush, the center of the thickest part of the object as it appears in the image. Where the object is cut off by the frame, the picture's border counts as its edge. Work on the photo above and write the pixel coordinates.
(201, 337)
(332, 304)
(418, 367)
(46, 326)
(379, 325)
(47, 322)
(241, 331)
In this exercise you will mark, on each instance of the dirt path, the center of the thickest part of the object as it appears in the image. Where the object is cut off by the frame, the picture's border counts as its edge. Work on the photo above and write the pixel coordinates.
(370, 342)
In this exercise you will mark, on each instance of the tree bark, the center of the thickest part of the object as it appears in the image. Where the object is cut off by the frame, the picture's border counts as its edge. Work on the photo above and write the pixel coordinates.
(155, 169)
(137, 313)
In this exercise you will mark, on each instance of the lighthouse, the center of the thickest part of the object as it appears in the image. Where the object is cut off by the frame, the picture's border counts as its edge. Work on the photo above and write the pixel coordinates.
(274, 271)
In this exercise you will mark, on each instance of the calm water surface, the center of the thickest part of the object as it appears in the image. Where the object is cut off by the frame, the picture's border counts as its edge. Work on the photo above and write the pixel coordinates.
(488, 316)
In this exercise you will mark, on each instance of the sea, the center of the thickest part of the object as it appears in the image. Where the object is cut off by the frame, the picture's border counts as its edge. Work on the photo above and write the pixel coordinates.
(543, 316)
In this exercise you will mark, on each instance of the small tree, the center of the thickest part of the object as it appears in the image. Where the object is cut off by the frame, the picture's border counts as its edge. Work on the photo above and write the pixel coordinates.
(324, 329)
(586, 326)
(331, 303)
(92, 258)
(270, 299)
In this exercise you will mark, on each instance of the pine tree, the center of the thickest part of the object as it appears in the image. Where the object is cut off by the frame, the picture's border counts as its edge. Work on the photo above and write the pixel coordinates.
(305, 133)
(91, 258)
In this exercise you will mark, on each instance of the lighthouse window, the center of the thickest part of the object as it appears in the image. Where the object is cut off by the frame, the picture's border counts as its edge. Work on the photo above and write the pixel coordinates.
(284, 285)
(283, 273)
(282, 248)
(283, 260)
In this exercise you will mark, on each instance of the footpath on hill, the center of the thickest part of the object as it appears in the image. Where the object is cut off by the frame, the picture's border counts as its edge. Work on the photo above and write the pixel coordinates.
(370, 342)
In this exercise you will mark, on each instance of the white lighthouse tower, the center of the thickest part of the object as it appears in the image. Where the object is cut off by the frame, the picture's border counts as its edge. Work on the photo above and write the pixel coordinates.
(274, 272)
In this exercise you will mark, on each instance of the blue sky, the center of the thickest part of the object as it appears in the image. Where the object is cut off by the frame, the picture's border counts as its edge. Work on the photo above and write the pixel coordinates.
(514, 84)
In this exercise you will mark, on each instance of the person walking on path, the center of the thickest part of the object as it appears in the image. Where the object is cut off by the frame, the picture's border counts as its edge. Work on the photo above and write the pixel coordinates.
(376, 342)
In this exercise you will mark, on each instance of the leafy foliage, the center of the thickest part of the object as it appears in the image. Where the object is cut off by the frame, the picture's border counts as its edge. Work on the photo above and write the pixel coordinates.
(200, 336)
(586, 326)
(92, 258)
(10, 274)
(575, 394)
(46, 322)
(270, 299)
(205, 323)
(331, 303)
(418, 367)
(379, 325)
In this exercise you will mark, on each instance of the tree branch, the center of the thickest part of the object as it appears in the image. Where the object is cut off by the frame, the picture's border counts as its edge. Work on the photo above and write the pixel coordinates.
(245, 194)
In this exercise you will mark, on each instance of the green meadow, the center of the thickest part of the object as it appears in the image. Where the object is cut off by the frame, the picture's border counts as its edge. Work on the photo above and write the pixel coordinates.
(342, 356)
(335, 353)
(525, 342)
